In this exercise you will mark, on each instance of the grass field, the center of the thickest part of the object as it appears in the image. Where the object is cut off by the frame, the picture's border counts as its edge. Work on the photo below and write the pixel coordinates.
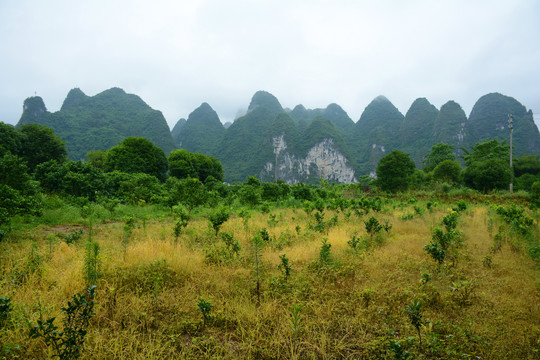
(203, 296)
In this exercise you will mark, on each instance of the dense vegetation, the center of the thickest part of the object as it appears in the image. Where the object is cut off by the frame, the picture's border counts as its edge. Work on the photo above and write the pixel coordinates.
(102, 262)
(247, 146)
(99, 122)
(245, 150)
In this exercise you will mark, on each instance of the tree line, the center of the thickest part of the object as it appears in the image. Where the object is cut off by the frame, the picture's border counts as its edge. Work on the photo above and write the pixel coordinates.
(33, 164)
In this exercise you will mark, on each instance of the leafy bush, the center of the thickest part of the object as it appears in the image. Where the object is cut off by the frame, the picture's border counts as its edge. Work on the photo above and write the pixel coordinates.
(5, 310)
(68, 343)
(219, 217)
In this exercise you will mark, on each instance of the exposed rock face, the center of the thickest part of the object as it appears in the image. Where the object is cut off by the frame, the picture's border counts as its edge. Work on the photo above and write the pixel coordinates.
(323, 160)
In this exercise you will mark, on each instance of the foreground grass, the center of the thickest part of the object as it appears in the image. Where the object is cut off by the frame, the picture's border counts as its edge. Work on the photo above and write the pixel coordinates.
(351, 306)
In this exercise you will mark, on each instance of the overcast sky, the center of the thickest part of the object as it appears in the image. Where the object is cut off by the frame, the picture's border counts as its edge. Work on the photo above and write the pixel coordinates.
(177, 54)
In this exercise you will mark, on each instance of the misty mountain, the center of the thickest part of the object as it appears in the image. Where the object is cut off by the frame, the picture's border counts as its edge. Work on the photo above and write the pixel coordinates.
(312, 143)
(489, 120)
(176, 129)
(300, 145)
(99, 122)
(202, 132)
(416, 132)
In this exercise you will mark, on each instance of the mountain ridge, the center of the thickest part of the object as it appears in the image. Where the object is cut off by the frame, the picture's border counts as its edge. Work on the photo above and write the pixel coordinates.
(314, 143)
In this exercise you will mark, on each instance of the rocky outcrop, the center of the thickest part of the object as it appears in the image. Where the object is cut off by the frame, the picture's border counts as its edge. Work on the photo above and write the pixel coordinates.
(324, 160)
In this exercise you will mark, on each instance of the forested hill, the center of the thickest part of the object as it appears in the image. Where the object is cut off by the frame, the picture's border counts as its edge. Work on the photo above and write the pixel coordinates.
(99, 122)
(307, 144)
(304, 144)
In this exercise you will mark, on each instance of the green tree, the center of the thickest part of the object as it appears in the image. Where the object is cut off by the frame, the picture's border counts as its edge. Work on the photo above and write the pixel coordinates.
(140, 187)
(97, 158)
(73, 178)
(447, 171)
(137, 155)
(39, 144)
(10, 139)
(488, 166)
(527, 164)
(183, 164)
(439, 153)
(18, 193)
(488, 175)
(190, 192)
(394, 171)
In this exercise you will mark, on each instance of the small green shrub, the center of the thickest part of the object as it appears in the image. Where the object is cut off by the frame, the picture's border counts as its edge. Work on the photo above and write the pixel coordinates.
(296, 320)
(413, 311)
(285, 266)
(462, 292)
(205, 307)
(68, 343)
(5, 310)
(218, 218)
(71, 237)
(92, 263)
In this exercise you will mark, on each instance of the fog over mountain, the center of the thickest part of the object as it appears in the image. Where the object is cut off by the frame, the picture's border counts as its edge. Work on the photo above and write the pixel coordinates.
(178, 54)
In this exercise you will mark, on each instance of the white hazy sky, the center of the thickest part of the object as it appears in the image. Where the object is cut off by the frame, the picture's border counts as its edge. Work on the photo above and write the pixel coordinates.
(177, 54)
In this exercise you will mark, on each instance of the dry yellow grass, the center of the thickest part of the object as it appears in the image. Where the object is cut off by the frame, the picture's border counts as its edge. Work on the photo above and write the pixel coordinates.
(348, 310)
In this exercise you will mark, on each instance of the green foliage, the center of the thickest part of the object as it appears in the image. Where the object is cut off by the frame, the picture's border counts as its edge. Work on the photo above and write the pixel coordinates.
(101, 121)
(520, 223)
(5, 311)
(92, 263)
(325, 256)
(413, 311)
(355, 242)
(219, 217)
(449, 123)
(439, 153)
(249, 195)
(416, 132)
(71, 178)
(205, 307)
(301, 191)
(373, 227)
(19, 194)
(442, 241)
(526, 164)
(183, 164)
(379, 124)
(188, 192)
(40, 144)
(129, 225)
(68, 343)
(399, 352)
(137, 155)
(97, 158)
(447, 171)
(534, 195)
(182, 220)
(202, 132)
(487, 166)
(218, 254)
(285, 266)
(240, 149)
(394, 171)
(462, 292)
(256, 246)
(489, 120)
(450, 221)
(296, 320)
(10, 139)
(72, 236)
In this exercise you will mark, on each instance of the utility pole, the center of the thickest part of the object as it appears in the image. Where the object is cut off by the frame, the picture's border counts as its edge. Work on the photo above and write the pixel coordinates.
(511, 126)
(276, 151)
